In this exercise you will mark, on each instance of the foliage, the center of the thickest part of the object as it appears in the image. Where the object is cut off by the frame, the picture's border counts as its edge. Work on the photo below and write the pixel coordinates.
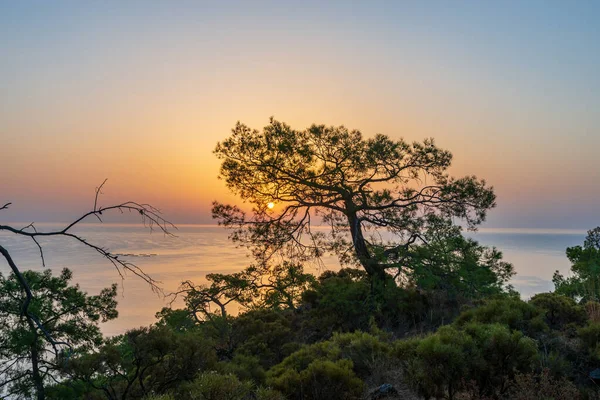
(267, 335)
(559, 310)
(584, 284)
(355, 185)
(340, 301)
(440, 364)
(321, 379)
(263, 286)
(510, 311)
(330, 369)
(590, 336)
(214, 386)
(143, 361)
(64, 312)
(455, 265)
(177, 320)
(263, 393)
(436, 364)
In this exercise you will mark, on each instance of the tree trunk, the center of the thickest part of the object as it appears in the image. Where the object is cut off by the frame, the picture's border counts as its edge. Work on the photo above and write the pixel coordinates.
(370, 265)
(35, 358)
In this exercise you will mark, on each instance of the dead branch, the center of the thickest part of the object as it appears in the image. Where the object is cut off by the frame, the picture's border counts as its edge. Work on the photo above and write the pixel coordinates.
(150, 217)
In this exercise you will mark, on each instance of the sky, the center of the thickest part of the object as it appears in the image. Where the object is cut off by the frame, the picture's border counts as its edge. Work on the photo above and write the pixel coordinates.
(141, 92)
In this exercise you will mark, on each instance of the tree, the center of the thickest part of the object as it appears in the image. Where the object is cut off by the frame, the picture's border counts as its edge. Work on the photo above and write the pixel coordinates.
(141, 362)
(150, 217)
(584, 285)
(256, 287)
(262, 286)
(456, 265)
(63, 311)
(358, 187)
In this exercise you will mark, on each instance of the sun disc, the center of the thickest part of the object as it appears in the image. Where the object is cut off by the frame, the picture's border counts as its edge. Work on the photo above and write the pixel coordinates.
(270, 205)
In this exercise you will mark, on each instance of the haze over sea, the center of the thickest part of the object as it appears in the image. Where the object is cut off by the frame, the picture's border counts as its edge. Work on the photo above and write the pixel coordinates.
(197, 250)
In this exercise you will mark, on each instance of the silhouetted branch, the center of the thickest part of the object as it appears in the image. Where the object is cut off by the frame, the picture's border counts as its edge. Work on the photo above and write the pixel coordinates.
(151, 218)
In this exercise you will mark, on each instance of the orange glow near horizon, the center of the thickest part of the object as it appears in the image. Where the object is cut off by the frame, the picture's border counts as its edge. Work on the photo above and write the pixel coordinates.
(144, 102)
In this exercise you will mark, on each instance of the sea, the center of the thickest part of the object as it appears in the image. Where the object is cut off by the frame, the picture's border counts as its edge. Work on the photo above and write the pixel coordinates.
(197, 250)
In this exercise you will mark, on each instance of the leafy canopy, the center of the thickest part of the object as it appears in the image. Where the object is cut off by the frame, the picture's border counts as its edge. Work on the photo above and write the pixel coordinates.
(584, 284)
(358, 187)
(64, 312)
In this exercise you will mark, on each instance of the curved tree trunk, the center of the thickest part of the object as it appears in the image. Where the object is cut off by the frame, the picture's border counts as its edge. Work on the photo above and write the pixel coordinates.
(370, 264)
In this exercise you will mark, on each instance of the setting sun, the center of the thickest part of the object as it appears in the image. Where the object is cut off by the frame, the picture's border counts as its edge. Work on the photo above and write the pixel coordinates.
(307, 200)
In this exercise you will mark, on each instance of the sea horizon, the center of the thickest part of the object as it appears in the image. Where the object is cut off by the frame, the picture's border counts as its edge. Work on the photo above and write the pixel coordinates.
(196, 250)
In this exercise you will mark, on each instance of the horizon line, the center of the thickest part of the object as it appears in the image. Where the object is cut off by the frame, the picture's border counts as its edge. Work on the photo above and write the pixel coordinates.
(488, 230)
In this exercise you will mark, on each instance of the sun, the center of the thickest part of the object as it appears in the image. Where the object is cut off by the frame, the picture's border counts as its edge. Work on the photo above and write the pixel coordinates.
(270, 205)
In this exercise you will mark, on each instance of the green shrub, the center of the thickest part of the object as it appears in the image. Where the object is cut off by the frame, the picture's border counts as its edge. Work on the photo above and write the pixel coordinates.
(245, 368)
(509, 311)
(501, 354)
(436, 364)
(339, 302)
(263, 334)
(559, 311)
(365, 350)
(590, 336)
(489, 355)
(321, 379)
(341, 361)
(214, 386)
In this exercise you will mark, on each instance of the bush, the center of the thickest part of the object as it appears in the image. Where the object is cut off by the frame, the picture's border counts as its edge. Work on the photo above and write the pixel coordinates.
(590, 336)
(263, 334)
(558, 310)
(214, 386)
(321, 379)
(365, 350)
(489, 355)
(339, 302)
(346, 357)
(436, 364)
(500, 354)
(510, 311)
(245, 368)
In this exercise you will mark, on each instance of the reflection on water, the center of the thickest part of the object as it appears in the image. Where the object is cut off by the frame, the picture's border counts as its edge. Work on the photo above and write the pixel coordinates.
(199, 250)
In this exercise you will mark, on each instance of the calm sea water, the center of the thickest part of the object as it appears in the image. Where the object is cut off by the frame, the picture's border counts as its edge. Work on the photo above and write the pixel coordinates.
(199, 250)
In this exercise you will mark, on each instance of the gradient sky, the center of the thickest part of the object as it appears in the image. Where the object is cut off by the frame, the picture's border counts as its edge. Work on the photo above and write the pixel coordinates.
(140, 93)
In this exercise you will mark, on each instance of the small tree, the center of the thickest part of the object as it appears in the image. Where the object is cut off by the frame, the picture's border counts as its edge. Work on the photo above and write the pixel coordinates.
(356, 186)
(150, 217)
(456, 265)
(65, 313)
(141, 362)
(584, 285)
(264, 286)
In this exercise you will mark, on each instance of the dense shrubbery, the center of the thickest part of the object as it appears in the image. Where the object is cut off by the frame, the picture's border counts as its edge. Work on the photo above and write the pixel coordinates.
(488, 355)
(501, 347)
(342, 337)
